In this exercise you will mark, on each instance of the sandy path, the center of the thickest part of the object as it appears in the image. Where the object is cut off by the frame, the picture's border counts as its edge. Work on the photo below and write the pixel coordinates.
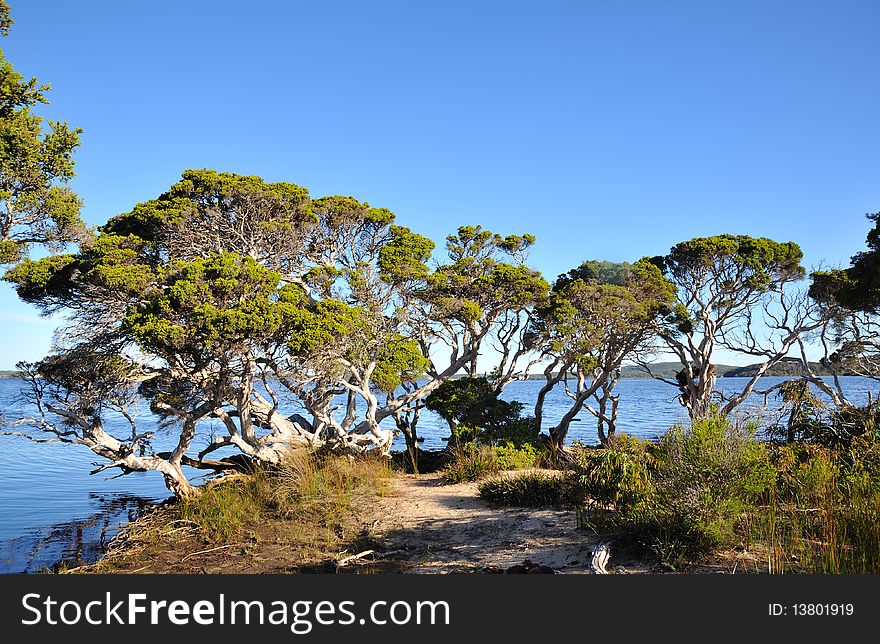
(447, 528)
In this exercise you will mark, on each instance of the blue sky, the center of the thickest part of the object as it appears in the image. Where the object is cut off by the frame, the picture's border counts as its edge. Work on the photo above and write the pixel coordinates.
(608, 129)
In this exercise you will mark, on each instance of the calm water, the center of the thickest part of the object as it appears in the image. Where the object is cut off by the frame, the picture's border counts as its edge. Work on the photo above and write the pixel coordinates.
(52, 509)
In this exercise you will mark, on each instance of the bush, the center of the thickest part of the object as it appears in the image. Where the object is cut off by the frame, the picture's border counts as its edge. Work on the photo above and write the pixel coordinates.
(469, 463)
(532, 489)
(520, 431)
(510, 457)
(617, 475)
(704, 478)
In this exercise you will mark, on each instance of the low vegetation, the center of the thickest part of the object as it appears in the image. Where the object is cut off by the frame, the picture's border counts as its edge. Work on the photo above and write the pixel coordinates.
(472, 462)
(531, 489)
(314, 504)
(809, 504)
(317, 491)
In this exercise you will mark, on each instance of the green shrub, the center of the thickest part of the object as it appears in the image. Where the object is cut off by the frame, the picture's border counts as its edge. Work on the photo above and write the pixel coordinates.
(469, 463)
(616, 476)
(520, 431)
(704, 479)
(510, 457)
(531, 489)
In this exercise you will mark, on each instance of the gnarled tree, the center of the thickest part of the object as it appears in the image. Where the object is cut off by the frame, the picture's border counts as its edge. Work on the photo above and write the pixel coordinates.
(598, 315)
(734, 292)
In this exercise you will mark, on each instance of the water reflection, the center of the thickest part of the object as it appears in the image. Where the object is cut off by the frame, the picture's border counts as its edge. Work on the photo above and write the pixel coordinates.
(72, 543)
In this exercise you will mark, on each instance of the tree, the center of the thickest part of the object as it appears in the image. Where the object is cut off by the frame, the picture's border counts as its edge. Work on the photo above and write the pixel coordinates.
(856, 288)
(74, 392)
(732, 293)
(235, 297)
(38, 208)
(849, 337)
(472, 409)
(597, 316)
(480, 299)
(193, 288)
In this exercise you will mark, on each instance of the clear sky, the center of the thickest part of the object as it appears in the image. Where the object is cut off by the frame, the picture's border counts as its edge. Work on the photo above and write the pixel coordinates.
(609, 129)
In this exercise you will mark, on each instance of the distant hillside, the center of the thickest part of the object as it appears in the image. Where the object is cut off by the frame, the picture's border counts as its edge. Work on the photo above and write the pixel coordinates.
(788, 367)
(666, 370)
(9, 374)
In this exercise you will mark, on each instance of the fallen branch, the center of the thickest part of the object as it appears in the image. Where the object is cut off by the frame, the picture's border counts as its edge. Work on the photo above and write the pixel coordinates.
(201, 552)
(359, 555)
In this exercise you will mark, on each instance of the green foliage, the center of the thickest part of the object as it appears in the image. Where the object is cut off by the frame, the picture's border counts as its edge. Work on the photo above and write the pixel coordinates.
(686, 496)
(479, 284)
(5, 19)
(750, 263)
(210, 200)
(705, 478)
(530, 489)
(517, 430)
(804, 411)
(10, 251)
(472, 462)
(597, 309)
(469, 463)
(603, 272)
(510, 457)
(617, 475)
(323, 327)
(36, 164)
(110, 269)
(472, 404)
(34, 279)
(211, 303)
(400, 360)
(858, 286)
(404, 257)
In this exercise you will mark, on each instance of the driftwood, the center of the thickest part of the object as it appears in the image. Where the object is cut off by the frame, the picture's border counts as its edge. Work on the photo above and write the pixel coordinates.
(360, 555)
(601, 555)
(202, 552)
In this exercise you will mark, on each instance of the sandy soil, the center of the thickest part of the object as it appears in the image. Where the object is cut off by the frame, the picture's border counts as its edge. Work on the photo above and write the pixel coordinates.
(430, 527)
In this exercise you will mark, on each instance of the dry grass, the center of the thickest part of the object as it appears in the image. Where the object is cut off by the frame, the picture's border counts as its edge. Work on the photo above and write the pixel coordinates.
(305, 510)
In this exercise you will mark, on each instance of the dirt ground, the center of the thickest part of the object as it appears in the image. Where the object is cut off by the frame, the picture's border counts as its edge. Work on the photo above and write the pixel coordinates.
(438, 528)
